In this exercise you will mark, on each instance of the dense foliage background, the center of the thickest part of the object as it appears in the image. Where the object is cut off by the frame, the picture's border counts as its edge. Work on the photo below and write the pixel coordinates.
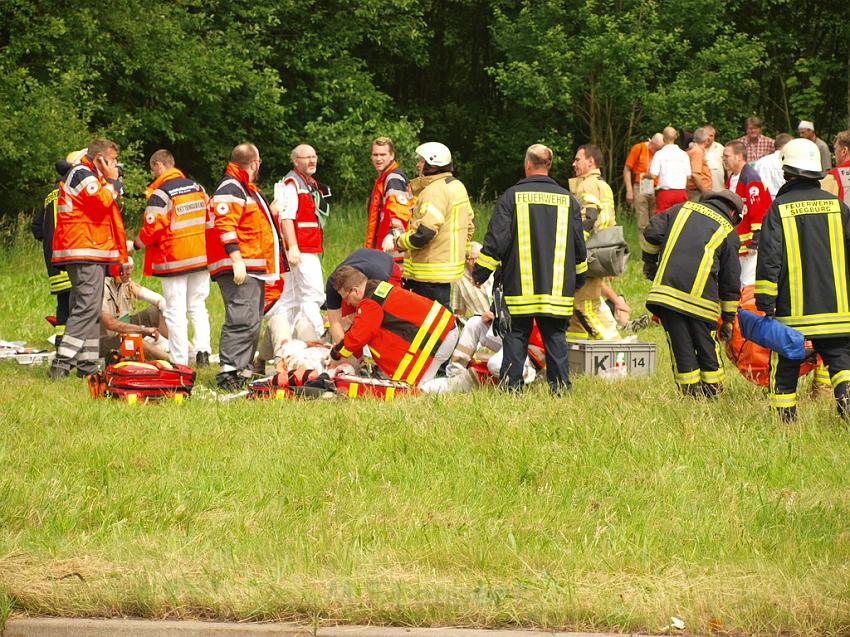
(487, 78)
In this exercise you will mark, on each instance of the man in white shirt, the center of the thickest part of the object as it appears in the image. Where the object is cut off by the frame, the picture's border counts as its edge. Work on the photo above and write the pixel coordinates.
(769, 167)
(301, 205)
(672, 166)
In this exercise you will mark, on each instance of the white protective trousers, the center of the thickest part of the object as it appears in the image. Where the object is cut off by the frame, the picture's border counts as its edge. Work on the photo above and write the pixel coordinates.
(748, 268)
(187, 293)
(304, 292)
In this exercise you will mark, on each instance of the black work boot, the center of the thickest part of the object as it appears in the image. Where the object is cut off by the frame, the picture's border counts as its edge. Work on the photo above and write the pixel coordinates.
(202, 359)
(787, 414)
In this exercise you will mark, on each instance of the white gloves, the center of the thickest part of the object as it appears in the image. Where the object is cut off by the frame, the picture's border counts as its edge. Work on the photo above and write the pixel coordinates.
(388, 244)
(240, 273)
(293, 255)
(131, 247)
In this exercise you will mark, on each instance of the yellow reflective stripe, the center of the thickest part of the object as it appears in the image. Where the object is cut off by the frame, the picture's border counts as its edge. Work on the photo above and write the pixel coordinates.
(455, 248)
(821, 374)
(712, 376)
(404, 242)
(389, 394)
(823, 330)
(728, 306)
(826, 317)
(840, 377)
(795, 264)
(345, 352)
(424, 354)
(646, 246)
(755, 227)
(763, 286)
(722, 219)
(686, 304)
(706, 304)
(782, 401)
(675, 231)
(435, 212)
(417, 340)
(561, 236)
(526, 274)
(581, 268)
(745, 236)
(707, 261)
(687, 378)
(352, 390)
(447, 272)
(771, 378)
(839, 265)
(486, 261)
(402, 366)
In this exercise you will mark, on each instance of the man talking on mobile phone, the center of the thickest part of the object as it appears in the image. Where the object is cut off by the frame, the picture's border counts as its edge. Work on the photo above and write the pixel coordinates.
(89, 237)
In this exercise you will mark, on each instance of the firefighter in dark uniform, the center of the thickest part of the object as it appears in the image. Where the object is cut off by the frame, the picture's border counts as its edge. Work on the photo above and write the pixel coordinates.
(535, 236)
(802, 274)
(690, 253)
(43, 225)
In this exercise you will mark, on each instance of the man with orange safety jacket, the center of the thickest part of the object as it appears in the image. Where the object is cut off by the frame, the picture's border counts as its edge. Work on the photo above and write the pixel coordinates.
(301, 204)
(175, 250)
(391, 200)
(409, 336)
(243, 253)
(89, 236)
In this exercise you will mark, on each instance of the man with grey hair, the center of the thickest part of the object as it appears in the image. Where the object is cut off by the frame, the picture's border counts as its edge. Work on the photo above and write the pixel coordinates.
(301, 204)
(535, 238)
(699, 182)
(468, 299)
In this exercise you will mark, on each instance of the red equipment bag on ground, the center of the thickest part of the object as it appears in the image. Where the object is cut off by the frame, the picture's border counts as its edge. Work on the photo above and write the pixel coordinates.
(356, 386)
(137, 380)
(752, 360)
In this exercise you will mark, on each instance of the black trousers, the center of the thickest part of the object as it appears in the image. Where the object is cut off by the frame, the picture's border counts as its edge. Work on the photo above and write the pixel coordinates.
(784, 373)
(439, 292)
(515, 349)
(693, 348)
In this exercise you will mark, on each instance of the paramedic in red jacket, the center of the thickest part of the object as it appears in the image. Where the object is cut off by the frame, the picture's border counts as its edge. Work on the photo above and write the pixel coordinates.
(745, 182)
(409, 336)
(89, 237)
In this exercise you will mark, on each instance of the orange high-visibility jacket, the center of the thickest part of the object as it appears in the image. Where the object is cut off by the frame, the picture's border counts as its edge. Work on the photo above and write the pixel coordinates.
(391, 200)
(239, 219)
(402, 329)
(89, 227)
(173, 229)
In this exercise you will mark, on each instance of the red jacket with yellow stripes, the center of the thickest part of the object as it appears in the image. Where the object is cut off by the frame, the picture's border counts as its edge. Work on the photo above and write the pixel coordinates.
(402, 329)
(89, 227)
(239, 219)
(173, 229)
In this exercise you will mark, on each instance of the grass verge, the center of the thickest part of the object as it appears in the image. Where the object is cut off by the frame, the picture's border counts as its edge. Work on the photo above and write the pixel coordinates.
(613, 508)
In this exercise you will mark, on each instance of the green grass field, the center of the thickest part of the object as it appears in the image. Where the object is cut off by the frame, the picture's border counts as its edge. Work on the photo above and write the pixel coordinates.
(616, 507)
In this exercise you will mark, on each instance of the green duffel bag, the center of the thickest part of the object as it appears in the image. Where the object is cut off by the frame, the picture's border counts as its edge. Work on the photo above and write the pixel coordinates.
(607, 252)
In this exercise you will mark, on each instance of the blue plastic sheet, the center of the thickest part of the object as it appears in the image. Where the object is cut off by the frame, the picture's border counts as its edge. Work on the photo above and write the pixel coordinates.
(770, 333)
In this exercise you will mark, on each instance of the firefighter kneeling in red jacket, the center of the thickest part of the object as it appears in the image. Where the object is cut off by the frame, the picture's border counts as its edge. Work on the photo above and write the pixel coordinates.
(408, 335)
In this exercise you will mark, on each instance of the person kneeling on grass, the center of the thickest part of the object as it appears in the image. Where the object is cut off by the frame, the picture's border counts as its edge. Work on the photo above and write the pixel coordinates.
(408, 336)
(117, 316)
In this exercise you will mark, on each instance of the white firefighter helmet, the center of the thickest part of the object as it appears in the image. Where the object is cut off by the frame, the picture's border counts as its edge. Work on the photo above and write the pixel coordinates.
(434, 153)
(801, 157)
